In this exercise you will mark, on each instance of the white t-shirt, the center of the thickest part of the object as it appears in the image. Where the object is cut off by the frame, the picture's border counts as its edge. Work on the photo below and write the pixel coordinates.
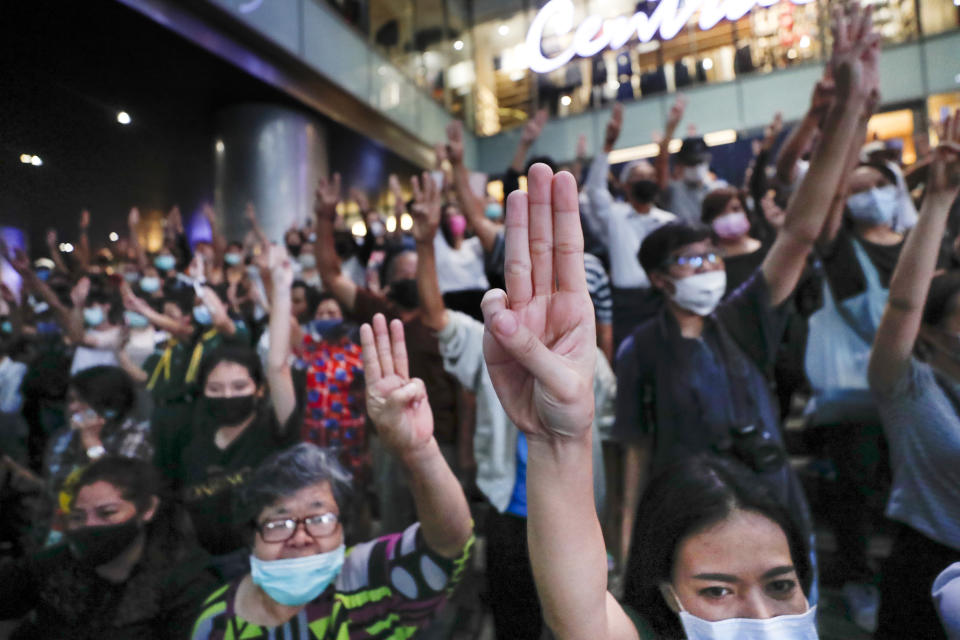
(102, 352)
(460, 269)
(627, 230)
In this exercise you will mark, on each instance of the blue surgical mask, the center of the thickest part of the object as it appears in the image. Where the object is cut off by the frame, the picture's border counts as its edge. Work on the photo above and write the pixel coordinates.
(164, 262)
(135, 320)
(297, 581)
(876, 206)
(494, 210)
(233, 259)
(6, 326)
(43, 274)
(150, 284)
(323, 326)
(131, 276)
(93, 316)
(202, 315)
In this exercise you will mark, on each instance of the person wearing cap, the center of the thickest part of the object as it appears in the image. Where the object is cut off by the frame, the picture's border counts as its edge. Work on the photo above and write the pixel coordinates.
(626, 224)
(684, 195)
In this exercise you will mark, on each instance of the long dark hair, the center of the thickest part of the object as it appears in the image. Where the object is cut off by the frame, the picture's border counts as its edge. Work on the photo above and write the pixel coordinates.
(684, 499)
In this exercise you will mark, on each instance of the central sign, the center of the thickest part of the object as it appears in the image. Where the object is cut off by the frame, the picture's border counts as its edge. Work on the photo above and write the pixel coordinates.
(595, 34)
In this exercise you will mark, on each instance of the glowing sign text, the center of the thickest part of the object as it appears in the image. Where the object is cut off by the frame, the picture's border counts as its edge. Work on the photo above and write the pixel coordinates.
(595, 34)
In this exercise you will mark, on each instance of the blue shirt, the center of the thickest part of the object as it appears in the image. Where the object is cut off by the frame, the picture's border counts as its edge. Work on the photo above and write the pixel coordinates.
(518, 501)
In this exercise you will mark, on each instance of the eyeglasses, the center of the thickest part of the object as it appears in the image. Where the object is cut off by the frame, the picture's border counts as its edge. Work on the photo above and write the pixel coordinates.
(282, 530)
(695, 261)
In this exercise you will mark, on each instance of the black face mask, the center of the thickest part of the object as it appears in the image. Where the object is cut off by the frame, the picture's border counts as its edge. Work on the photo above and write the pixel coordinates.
(229, 412)
(95, 546)
(644, 190)
(404, 293)
(294, 250)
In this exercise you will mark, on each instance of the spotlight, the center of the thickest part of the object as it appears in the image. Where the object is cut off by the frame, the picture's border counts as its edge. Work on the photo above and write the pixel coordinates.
(123, 117)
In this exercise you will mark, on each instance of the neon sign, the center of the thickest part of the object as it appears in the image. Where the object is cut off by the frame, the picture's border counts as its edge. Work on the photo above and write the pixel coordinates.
(595, 34)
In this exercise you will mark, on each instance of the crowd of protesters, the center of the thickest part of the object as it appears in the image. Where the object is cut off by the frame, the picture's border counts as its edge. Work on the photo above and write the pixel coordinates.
(343, 436)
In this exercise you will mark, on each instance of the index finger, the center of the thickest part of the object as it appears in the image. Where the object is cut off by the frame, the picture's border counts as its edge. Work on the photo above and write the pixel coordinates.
(568, 236)
(371, 364)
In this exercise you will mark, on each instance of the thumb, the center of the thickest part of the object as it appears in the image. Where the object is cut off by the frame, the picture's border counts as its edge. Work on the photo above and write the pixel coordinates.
(524, 347)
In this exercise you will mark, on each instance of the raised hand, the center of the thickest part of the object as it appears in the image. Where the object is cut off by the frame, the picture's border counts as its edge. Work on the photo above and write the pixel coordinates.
(210, 215)
(174, 220)
(360, 197)
(441, 152)
(772, 130)
(51, 238)
(855, 57)
(218, 312)
(614, 125)
(250, 214)
(133, 219)
(397, 405)
(581, 146)
(281, 270)
(534, 126)
(427, 204)
(540, 339)
(944, 180)
(80, 292)
(677, 109)
(328, 197)
(822, 97)
(84, 220)
(455, 142)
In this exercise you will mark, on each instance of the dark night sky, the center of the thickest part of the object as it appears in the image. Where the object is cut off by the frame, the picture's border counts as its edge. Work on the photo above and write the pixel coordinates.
(66, 68)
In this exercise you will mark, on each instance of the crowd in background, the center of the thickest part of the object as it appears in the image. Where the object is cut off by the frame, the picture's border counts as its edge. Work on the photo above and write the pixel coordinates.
(377, 436)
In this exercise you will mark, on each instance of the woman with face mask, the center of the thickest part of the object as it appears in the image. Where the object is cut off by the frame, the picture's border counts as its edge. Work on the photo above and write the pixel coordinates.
(724, 212)
(301, 572)
(125, 571)
(235, 426)
(460, 265)
(99, 338)
(914, 374)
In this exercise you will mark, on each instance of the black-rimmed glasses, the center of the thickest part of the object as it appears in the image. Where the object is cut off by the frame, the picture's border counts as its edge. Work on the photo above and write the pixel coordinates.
(283, 529)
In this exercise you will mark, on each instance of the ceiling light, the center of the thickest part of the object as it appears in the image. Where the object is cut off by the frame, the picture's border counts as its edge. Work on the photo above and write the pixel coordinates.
(25, 158)
(566, 100)
(503, 29)
(113, 236)
(219, 146)
(707, 64)
(358, 229)
(805, 42)
(66, 247)
(458, 45)
(123, 117)
(36, 161)
(406, 222)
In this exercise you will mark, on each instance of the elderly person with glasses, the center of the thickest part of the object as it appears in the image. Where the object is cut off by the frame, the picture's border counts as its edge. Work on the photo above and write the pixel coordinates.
(303, 581)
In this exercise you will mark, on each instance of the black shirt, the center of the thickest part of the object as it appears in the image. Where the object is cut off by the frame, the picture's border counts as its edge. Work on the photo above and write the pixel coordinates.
(210, 477)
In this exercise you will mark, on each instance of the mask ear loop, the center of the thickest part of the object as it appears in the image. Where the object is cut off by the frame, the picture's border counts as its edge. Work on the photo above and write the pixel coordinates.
(670, 595)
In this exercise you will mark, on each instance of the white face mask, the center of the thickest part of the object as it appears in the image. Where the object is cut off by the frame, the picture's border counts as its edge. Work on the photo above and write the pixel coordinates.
(800, 626)
(700, 293)
(696, 174)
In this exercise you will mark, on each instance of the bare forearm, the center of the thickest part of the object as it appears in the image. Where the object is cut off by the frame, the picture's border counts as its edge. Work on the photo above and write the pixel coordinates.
(441, 505)
(837, 206)
(793, 147)
(325, 250)
(428, 287)
(519, 162)
(473, 208)
(279, 329)
(567, 551)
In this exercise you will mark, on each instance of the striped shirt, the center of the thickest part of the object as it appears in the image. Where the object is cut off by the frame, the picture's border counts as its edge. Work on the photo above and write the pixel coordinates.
(388, 589)
(598, 284)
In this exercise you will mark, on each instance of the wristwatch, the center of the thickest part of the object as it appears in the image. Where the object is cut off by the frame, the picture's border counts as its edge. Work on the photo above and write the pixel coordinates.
(96, 451)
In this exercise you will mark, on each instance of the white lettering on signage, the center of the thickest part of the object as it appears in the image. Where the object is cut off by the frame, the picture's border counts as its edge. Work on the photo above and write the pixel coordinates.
(595, 34)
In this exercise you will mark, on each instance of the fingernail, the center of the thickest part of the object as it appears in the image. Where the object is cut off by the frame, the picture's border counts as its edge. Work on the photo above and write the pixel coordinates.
(506, 323)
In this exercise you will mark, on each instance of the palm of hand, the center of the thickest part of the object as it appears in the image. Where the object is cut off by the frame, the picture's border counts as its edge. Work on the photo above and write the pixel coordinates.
(402, 425)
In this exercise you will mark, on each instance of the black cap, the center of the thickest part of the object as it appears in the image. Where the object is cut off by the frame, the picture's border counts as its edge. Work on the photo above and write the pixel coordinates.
(693, 151)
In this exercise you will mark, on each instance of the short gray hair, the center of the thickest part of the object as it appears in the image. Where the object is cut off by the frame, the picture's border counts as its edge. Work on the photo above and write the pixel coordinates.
(288, 471)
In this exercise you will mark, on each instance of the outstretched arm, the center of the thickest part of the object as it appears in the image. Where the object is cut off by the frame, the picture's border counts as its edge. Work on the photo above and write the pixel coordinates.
(55, 254)
(328, 262)
(855, 64)
(472, 206)
(802, 134)
(426, 220)
(898, 330)
(662, 164)
(400, 411)
(540, 344)
(278, 359)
